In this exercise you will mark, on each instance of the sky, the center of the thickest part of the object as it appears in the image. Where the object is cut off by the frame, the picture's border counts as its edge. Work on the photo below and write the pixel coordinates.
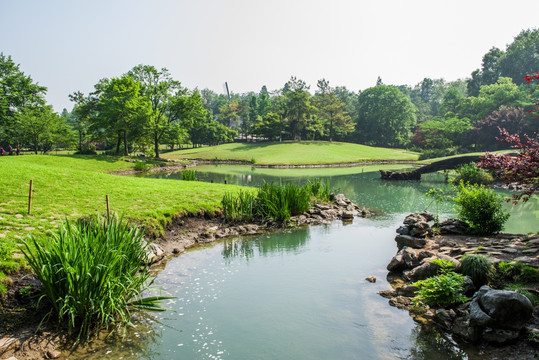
(70, 45)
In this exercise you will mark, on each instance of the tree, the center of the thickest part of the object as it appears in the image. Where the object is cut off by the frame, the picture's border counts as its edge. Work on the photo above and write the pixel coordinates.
(510, 118)
(385, 117)
(18, 92)
(331, 110)
(42, 127)
(521, 56)
(186, 111)
(158, 86)
(124, 109)
(520, 169)
(298, 103)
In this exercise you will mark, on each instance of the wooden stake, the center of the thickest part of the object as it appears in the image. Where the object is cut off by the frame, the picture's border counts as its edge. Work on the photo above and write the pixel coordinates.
(30, 197)
(108, 207)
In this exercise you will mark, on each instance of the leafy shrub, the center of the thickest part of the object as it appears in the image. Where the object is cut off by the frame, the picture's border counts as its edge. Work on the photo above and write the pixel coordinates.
(434, 153)
(87, 149)
(443, 289)
(481, 208)
(478, 267)
(508, 271)
(142, 166)
(470, 173)
(529, 274)
(92, 273)
(189, 175)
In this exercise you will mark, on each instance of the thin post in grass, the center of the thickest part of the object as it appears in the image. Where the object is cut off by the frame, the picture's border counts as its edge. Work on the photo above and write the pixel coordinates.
(108, 207)
(30, 197)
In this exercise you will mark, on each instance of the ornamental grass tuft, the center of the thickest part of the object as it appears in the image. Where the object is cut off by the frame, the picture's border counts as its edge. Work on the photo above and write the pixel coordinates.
(92, 273)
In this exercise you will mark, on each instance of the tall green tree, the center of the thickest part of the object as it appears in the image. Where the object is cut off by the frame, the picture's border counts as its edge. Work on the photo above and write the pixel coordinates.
(158, 86)
(521, 56)
(331, 110)
(385, 117)
(124, 109)
(298, 103)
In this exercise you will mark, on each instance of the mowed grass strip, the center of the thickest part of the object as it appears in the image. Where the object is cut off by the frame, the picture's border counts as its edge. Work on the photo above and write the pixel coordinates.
(74, 186)
(295, 153)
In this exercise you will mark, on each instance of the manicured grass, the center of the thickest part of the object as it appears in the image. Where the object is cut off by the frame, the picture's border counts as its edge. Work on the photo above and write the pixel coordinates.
(430, 161)
(74, 186)
(294, 153)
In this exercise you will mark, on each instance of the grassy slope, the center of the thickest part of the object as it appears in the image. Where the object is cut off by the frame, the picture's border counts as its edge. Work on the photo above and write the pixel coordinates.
(72, 186)
(287, 153)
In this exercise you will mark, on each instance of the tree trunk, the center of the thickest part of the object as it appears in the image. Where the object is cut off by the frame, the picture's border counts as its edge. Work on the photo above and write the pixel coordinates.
(126, 153)
(156, 146)
(118, 143)
(80, 141)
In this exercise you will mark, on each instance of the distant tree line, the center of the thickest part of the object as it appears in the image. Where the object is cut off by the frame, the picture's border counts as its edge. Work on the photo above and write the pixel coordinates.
(146, 109)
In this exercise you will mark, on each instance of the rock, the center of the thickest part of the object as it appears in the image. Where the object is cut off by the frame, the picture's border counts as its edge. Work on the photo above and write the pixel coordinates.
(8, 343)
(409, 257)
(463, 329)
(428, 216)
(371, 279)
(468, 287)
(500, 336)
(403, 230)
(508, 309)
(400, 302)
(407, 290)
(347, 215)
(445, 318)
(453, 226)
(428, 268)
(413, 219)
(53, 354)
(478, 317)
(410, 241)
(388, 294)
(420, 229)
(396, 263)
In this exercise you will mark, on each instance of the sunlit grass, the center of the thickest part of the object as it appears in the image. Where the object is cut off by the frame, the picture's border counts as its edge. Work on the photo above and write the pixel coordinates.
(295, 153)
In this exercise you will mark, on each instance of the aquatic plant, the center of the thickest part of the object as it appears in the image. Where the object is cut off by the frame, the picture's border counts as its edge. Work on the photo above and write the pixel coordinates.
(239, 207)
(478, 267)
(189, 175)
(92, 273)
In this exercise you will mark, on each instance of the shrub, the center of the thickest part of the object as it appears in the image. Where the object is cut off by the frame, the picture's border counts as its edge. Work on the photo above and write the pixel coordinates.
(478, 267)
(142, 166)
(443, 289)
(189, 175)
(529, 274)
(519, 288)
(481, 208)
(508, 270)
(92, 272)
(470, 173)
(434, 153)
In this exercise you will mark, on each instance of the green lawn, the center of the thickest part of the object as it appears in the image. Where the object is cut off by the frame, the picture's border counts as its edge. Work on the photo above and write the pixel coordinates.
(294, 153)
(73, 186)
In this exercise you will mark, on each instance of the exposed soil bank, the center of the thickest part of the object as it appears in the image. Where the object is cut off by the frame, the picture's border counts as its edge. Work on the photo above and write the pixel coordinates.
(19, 319)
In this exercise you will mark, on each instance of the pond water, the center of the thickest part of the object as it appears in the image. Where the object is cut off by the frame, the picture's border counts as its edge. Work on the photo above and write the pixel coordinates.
(298, 294)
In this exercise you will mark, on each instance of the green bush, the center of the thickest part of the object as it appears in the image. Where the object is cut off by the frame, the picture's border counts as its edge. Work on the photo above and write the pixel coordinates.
(478, 267)
(435, 153)
(519, 288)
(142, 166)
(470, 173)
(508, 271)
(443, 289)
(92, 272)
(529, 274)
(189, 175)
(481, 208)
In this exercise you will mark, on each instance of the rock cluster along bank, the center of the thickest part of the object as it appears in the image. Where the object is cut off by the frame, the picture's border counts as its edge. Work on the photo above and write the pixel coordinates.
(495, 316)
(191, 231)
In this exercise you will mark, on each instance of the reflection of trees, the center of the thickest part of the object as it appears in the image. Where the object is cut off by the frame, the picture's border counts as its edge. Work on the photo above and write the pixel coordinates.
(281, 242)
(433, 345)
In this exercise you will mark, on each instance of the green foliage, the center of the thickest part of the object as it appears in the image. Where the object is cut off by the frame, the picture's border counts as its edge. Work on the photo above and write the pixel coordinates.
(443, 289)
(478, 267)
(529, 274)
(519, 288)
(239, 207)
(470, 173)
(189, 175)
(435, 153)
(92, 272)
(318, 189)
(142, 166)
(509, 271)
(481, 208)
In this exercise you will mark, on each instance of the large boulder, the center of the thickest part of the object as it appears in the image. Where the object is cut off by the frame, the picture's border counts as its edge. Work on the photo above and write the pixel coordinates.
(428, 268)
(500, 309)
(410, 241)
(453, 226)
(406, 258)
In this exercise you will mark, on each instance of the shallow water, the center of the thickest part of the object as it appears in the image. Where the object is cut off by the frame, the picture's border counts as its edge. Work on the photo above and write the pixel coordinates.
(297, 294)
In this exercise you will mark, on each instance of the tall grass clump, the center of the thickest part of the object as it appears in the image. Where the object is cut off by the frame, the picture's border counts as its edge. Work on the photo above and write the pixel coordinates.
(189, 175)
(142, 166)
(478, 267)
(239, 207)
(318, 189)
(92, 273)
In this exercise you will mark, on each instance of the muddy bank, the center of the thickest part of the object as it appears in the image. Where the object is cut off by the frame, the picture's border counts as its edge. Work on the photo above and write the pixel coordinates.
(19, 318)
(500, 323)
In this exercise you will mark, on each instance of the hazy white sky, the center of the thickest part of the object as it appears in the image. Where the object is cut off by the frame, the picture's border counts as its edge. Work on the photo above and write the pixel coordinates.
(69, 45)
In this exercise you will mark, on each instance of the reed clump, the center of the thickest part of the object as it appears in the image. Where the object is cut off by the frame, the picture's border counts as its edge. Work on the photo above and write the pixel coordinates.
(92, 274)
(273, 202)
(189, 175)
